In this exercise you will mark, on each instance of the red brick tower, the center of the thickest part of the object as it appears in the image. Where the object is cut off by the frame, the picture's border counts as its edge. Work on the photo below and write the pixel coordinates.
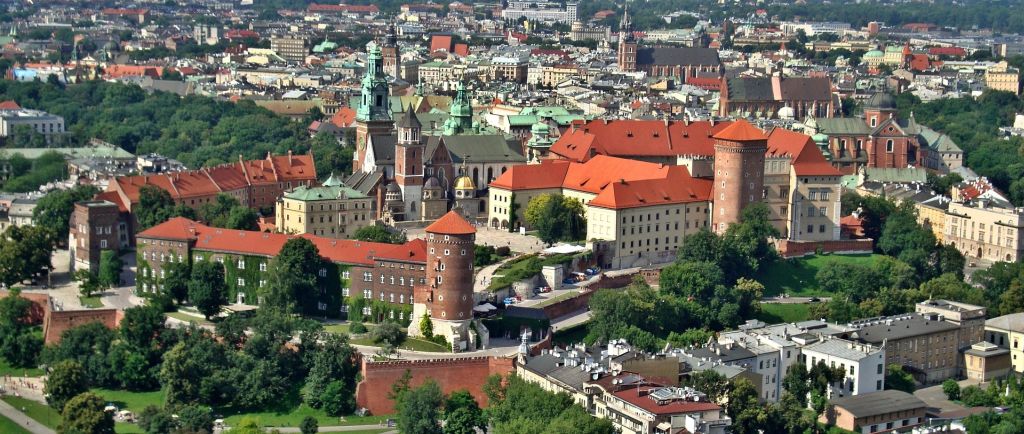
(739, 172)
(447, 297)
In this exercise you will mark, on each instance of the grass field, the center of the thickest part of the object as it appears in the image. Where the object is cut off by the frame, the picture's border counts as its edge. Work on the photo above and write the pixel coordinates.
(413, 344)
(774, 313)
(91, 302)
(40, 412)
(796, 276)
(294, 416)
(7, 369)
(134, 401)
(8, 426)
(127, 428)
(188, 318)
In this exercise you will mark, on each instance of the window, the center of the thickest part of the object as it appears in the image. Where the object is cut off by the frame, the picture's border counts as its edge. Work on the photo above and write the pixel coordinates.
(823, 194)
(367, 276)
(241, 264)
(344, 292)
(822, 212)
(103, 244)
(381, 296)
(810, 229)
(241, 281)
(263, 283)
(367, 293)
(263, 266)
(198, 258)
(821, 228)
(879, 372)
(344, 275)
(889, 146)
(323, 272)
(811, 211)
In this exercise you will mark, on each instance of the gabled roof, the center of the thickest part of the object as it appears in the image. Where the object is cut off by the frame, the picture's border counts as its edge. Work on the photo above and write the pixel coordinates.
(806, 158)
(451, 224)
(547, 174)
(637, 138)
(269, 244)
(677, 56)
(477, 148)
(9, 105)
(676, 187)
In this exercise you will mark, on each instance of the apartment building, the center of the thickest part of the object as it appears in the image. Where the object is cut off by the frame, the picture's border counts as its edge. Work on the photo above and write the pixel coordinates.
(863, 365)
(39, 121)
(1002, 76)
(292, 49)
(985, 229)
(1007, 332)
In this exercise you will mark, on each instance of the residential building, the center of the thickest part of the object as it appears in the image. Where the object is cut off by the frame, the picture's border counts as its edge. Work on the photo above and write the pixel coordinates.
(292, 49)
(95, 226)
(863, 365)
(581, 31)
(357, 279)
(635, 406)
(539, 11)
(332, 210)
(986, 361)
(885, 411)
(1007, 332)
(37, 120)
(1002, 76)
(985, 229)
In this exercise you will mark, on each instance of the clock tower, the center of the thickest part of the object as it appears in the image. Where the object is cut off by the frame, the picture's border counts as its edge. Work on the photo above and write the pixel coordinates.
(373, 117)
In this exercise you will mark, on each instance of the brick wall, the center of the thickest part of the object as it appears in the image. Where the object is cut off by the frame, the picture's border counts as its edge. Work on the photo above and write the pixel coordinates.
(450, 374)
(793, 249)
(40, 305)
(57, 322)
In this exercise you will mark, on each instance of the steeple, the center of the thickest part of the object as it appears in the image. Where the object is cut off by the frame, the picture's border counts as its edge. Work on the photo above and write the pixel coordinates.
(460, 116)
(374, 104)
(627, 43)
(626, 26)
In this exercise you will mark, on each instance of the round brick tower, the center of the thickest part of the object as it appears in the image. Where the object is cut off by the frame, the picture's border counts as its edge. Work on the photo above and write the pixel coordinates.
(447, 298)
(739, 172)
(450, 267)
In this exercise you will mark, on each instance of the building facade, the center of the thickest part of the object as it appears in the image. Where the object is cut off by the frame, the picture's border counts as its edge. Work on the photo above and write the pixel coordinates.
(291, 48)
(1007, 332)
(333, 210)
(38, 121)
(983, 229)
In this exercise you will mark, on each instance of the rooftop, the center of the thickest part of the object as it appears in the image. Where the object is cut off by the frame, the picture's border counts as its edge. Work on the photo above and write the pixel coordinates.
(877, 403)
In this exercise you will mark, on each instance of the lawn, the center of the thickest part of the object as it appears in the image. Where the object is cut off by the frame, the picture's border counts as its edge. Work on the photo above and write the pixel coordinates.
(91, 302)
(774, 313)
(40, 412)
(294, 417)
(134, 401)
(523, 267)
(8, 426)
(413, 344)
(796, 277)
(127, 428)
(559, 298)
(7, 369)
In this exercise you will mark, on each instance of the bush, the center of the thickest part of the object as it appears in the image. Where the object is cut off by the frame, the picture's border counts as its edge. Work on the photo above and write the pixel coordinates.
(387, 333)
(951, 389)
(357, 328)
(503, 251)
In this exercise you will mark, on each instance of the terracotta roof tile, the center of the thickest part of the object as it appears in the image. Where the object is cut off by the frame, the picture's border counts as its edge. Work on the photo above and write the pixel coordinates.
(741, 131)
(807, 159)
(9, 105)
(637, 138)
(452, 224)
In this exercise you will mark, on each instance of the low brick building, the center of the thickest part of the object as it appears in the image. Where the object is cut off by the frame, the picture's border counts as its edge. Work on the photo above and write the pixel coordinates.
(883, 411)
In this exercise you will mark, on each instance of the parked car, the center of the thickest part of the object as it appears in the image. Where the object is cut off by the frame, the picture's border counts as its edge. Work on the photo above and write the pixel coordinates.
(510, 300)
(545, 289)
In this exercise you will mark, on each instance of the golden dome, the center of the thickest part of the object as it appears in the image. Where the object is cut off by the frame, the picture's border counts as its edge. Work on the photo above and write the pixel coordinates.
(464, 183)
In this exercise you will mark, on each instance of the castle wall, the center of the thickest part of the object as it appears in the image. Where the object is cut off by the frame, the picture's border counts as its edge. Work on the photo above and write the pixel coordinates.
(450, 374)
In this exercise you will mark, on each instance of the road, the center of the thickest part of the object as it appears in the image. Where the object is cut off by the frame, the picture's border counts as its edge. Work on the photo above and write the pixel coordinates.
(19, 418)
(571, 320)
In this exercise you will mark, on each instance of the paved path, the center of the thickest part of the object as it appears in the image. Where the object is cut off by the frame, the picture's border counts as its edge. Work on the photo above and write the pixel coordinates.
(571, 320)
(21, 419)
(794, 300)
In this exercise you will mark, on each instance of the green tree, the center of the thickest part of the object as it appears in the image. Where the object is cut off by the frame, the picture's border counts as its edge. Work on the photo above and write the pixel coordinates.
(309, 425)
(379, 234)
(292, 283)
(153, 420)
(400, 387)
(195, 418)
(25, 252)
(898, 379)
(418, 410)
(426, 326)
(693, 280)
(110, 269)
(19, 346)
(556, 218)
(207, 290)
(952, 389)
(796, 382)
(141, 327)
(744, 408)
(338, 399)
(387, 333)
(54, 210)
(332, 360)
(175, 283)
(66, 381)
(84, 414)
(242, 218)
(88, 283)
(155, 206)
(462, 414)
(715, 385)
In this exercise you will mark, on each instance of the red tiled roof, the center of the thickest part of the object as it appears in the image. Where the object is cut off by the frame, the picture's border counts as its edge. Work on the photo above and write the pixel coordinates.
(364, 9)
(947, 51)
(706, 83)
(344, 117)
(741, 131)
(640, 399)
(637, 138)
(461, 49)
(112, 196)
(237, 34)
(452, 224)
(440, 43)
(807, 159)
(118, 71)
(547, 174)
(921, 62)
(9, 105)
(676, 187)
(269, 244)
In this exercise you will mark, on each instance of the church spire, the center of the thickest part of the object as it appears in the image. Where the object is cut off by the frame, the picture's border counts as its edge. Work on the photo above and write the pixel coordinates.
(374, 103)
(460, 116)
(626, 26)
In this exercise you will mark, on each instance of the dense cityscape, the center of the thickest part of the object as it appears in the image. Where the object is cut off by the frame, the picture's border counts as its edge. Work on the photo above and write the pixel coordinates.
(512, 217)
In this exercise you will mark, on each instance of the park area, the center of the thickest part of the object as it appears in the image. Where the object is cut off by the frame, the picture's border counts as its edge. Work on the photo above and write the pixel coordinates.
(796, 277)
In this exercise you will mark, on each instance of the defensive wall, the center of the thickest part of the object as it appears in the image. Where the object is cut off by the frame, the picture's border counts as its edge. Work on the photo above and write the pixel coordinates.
(468, 373)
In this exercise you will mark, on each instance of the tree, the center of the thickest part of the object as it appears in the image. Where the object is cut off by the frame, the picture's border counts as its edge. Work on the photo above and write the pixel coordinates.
(19, 346)
(693, 280)
(84, 414)
(141, 327)
(88, 283)
(207, 290)
(110, 269)
(379, 234)
(400, 387)
(54, 210)
(292, 283)
(242, 218)
(65, 382)
(155, 206)
(309, 425)
(426, 326)
(462, 414)
(25, 252)
(175, 283)
(387, 333)
(338, 399)
(195, 418)
(744, 408)
(715, 385)
(332, 360)
(952, 389)
(418, 411)
(556, 218)
(153, 420)
(795, 382)
(898, 379)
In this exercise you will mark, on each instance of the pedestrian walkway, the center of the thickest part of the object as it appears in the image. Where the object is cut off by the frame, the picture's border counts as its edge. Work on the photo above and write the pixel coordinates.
(21, 419)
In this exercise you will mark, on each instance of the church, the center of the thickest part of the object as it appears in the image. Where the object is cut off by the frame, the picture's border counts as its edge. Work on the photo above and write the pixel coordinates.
(679, 63)
(418, 172)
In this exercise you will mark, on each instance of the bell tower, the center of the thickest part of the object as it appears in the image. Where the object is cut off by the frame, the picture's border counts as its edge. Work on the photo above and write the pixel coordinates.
(373, 116)
(409, 159)
(627, 43)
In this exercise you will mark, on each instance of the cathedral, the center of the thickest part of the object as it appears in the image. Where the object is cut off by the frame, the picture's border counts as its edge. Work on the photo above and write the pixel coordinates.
(419, 172)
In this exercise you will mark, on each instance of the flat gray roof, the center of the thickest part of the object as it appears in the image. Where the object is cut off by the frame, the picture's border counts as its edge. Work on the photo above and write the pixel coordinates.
(881, 402)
